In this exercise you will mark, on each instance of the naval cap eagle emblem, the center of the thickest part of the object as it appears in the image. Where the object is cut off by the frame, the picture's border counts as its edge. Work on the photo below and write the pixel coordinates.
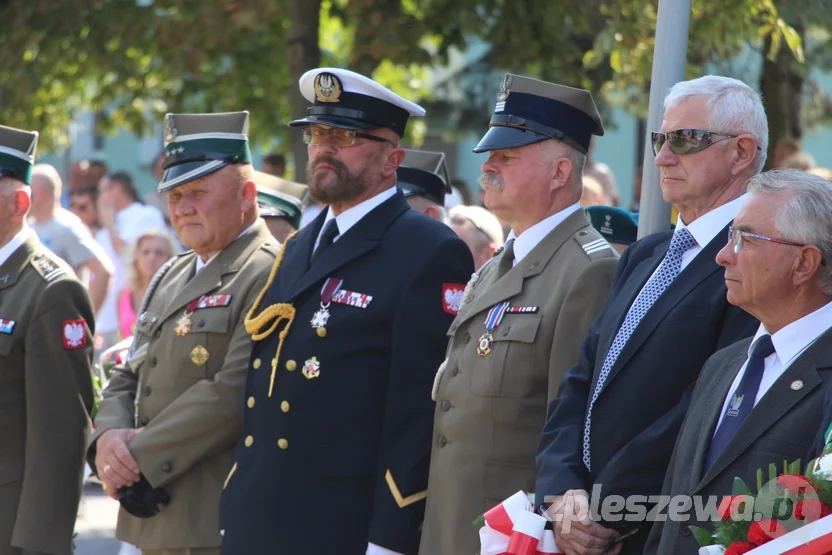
(327, 88)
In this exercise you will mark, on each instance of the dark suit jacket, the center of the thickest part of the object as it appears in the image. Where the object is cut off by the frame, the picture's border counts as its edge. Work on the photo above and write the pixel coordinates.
(640, 409)
(781, 427)
(330, 463)
(825, 424)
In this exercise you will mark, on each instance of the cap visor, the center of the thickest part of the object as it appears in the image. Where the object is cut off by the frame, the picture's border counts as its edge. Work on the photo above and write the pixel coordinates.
(183, 173)
(334, 121)
(500, 137)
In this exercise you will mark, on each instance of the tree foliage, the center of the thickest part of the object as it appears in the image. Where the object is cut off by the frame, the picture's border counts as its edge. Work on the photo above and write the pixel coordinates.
(134, 60)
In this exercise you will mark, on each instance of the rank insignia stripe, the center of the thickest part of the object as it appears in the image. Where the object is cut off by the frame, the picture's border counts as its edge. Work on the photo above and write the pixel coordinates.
(402, 501)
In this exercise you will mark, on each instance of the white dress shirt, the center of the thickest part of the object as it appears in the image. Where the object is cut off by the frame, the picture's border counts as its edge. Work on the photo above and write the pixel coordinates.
(529, 239)
(705, 228)
(351, 216)
(789, 343)
(200, 264)
(345, 220)
(7, 249)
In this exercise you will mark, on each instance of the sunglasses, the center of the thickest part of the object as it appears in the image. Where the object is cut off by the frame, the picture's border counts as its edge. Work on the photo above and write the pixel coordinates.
(687, 141)
(340, 137)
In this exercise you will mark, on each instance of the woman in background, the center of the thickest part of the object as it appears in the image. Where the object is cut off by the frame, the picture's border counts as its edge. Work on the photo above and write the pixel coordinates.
(148, 253)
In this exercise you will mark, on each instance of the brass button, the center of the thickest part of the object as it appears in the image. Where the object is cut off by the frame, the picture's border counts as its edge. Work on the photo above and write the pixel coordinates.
(442, 441)
(284, 406)
(291, 365)
(321, 332)
(167, 467)
(249, 441)
(256, 363)
(251, 402)
(454, 370)
(466, 338)
(446, 406)
(282, 443)
(147, 391)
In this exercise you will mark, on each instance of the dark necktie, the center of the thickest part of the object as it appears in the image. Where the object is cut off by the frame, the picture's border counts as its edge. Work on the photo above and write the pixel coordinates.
(742, 401)
(506, 261)
(327, 237)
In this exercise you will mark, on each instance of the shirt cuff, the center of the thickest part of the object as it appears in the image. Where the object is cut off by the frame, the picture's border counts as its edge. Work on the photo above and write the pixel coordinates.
(373, 549)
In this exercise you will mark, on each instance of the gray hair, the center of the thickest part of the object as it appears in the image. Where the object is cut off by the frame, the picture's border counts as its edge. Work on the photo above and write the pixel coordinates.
(804, 218)
(733, 108)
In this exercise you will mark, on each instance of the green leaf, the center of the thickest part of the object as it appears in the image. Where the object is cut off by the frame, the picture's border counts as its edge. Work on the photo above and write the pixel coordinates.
(479, 522)
(740, 488)
(793, 40)
(794, 467)
(703, 537)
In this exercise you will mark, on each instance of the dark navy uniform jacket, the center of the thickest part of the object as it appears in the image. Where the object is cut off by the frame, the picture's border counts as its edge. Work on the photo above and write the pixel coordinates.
(338, 455)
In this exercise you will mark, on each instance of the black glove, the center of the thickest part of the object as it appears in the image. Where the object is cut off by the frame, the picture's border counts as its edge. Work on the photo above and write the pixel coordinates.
(142, 500)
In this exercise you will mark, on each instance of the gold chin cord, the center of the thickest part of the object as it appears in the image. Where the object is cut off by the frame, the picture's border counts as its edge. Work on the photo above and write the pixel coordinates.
(271, 316)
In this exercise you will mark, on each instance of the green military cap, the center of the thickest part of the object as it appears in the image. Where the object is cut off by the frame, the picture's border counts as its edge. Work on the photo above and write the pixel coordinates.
(278, 197)
(199, 144)
(615, 224)
(17, 153)
(529, 111)
(424, 173)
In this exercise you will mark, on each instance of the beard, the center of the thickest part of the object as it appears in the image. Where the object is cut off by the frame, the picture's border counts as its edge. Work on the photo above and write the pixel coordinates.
(491, 181)
(336, 185)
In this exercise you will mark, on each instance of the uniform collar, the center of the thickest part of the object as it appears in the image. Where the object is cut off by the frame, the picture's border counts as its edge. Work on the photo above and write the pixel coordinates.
(529, 239)
(18, 240)
(348, 218)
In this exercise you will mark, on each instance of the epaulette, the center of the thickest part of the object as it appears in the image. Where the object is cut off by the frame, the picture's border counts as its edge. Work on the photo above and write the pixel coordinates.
(49, 269)
(593, 243)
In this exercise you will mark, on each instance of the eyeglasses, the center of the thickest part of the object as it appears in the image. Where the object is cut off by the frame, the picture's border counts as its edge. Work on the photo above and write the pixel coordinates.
(737, 236)
(340, 137)
(687, 141)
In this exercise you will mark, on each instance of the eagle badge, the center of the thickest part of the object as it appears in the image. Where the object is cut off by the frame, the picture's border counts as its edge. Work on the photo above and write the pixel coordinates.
(327, 88)
(74, 334)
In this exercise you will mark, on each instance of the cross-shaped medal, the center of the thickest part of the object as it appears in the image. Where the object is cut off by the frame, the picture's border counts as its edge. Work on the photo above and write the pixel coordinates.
(5, 279)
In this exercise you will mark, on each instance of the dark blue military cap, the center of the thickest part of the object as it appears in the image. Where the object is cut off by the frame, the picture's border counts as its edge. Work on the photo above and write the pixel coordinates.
(424, 173)
(529, 111)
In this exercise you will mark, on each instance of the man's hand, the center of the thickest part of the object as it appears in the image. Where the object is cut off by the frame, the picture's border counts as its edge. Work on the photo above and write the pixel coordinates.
(575, 532)
(115, 464)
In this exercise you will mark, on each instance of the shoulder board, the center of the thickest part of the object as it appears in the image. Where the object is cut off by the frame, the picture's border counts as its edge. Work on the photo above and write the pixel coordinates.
(271, 246)
(593, 243)
(48, 268)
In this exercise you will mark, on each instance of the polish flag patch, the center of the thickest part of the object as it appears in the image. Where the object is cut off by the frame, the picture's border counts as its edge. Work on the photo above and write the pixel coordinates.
(452, 297)
(74, 334)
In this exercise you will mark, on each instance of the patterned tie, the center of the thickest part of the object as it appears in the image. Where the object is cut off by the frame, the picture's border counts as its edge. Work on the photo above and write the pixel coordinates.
(743, 399)
(328, 236)
(668, 270)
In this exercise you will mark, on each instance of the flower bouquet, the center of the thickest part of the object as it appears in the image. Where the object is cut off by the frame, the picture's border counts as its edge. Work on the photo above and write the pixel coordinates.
(787, 515)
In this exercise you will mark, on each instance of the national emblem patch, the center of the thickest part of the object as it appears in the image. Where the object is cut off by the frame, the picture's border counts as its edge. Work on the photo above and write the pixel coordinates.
(452, 294)
(74, 334)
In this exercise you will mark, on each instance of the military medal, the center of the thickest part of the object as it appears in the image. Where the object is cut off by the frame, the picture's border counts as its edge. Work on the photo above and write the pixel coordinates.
(321, 317)
(183, 323)
(199, 355)
(492, 320)
(311, 368)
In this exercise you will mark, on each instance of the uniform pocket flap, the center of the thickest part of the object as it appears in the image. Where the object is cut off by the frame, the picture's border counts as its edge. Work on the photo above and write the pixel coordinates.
(518, 327)
(211, 320)
(346, 462)
(6, 342)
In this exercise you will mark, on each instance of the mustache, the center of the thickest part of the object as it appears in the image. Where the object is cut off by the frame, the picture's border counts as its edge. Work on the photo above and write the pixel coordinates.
(337, 164)
(491, 181)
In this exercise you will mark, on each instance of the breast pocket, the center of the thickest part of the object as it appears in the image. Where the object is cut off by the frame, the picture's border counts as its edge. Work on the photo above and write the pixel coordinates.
(507, 371)
(208, 344)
